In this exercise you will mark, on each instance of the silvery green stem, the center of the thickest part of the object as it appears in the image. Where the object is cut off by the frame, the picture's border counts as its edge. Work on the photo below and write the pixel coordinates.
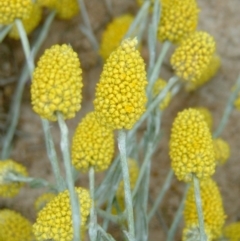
(198, 201)
(52, 155)
(107, 236)
(108, 4)
(112, 218)
(127, 189)
(87, 29)
(177, 217)
(26, 46)
(161, 194)
(70, 182)
(228, 109)
(93, 218)
(4, 31)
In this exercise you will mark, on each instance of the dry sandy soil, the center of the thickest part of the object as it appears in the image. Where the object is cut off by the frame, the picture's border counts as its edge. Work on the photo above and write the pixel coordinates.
(220, 18)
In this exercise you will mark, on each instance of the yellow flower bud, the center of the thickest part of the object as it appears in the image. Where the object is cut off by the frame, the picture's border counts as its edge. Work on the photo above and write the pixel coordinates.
(54, 221)
(191, 146)
(232, 232)
(114, 33)
(120, 94)
(42, 200)
(12, 9)
(207, 75)
(193, 56)
(92, 145)
(14, 227)
(9, 188)
(206, 115)
(57, 83)
(222, 150)
(159, 85)
(29, 23)
(179, 18)
(213, 212)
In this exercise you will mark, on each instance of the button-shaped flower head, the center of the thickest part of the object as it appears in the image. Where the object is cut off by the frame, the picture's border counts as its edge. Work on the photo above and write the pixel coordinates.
(179, 18)
(114, 33)
(159, 85)
(213, 212)
(207, 74)
(57, 83)
(14, 227)
(42, 200)
(29, 23)
(193, 56)
(12, 9)
(92, 145)
(222, 150)
(191, 146)
(54, 221)
(232, 232)
(207, 116)
(8, 167)
(120, 94)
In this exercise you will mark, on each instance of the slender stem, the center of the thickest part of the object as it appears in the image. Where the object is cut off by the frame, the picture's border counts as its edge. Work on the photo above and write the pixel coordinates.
(107, 236)
(161, 194)
(93, 218)
(25, 44)
(112, 218)
(4, 31)
(52, 155)
(198, 201)
(177, 216)
(125, 173)
(228, 109)
(87, 29)
(70, 182)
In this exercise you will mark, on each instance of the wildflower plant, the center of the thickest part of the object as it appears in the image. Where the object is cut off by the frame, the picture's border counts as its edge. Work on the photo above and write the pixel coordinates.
(127, 100)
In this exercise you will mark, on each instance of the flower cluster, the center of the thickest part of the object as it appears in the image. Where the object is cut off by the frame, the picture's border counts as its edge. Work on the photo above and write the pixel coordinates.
(114, 33)
(14, 227)
(92, 145)
(206, 115)
(57, 83)
(120, 94)
(9, 188)
(42, 200)
(159, 85)
(221, 150)
(213, 212)
(193, 56)
(191, 146)
(179, 18)
(232, 232)
(29, 23)
(13, 9)
(54, 221)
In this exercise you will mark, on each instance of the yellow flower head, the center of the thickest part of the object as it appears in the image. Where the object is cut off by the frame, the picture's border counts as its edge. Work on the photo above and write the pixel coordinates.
(222, 150)
(9, 188)
(207, 116)
(213, 212)
(42, 200)
(232, 232)
(157, 88)
(14, 227)
(133, 176)
(120, 94)
(191, 146)
(192, 232)
(12, 9)
(66, 9)
(92, 145)
(179, 18)
(193, 56)
(207, 74)
(57, 83)
(54, 221)
(29, 23)
(114, 33)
